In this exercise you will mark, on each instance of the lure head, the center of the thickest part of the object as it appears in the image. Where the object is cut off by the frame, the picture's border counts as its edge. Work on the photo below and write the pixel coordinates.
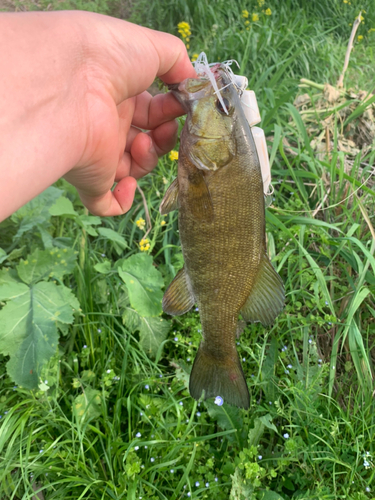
(213, 108)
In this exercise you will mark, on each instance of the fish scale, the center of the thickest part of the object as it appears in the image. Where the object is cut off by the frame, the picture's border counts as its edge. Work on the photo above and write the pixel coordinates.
(219, 195)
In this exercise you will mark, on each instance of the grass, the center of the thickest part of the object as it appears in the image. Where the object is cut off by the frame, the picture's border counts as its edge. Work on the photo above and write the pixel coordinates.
(112, 417)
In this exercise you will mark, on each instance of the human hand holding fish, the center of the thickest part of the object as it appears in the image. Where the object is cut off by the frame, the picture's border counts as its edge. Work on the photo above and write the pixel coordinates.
(73, 99)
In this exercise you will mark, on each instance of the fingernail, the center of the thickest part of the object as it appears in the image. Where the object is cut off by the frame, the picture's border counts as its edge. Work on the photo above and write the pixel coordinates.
(152, 147)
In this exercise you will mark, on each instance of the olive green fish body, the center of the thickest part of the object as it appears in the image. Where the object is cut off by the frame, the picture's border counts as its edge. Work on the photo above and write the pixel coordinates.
(222, 231)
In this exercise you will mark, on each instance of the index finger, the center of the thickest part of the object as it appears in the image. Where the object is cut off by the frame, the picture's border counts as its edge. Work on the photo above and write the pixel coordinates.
(150, 112)
(137, 55)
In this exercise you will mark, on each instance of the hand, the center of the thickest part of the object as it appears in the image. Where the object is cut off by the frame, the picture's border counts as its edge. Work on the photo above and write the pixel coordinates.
(81, 105)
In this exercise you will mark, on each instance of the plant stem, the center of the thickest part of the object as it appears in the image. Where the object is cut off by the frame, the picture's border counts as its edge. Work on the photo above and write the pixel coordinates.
(357, 22)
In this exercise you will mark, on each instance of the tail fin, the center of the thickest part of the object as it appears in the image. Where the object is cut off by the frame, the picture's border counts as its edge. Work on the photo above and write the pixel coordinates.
(219, 377)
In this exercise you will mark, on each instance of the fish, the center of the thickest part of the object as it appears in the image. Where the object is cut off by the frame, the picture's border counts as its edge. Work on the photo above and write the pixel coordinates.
(219, 196)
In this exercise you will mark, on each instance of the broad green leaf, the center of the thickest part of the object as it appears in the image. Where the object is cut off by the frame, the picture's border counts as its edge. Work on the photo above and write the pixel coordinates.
(8, 275)
(228, 417)
(103, 267)
(152, 332)
(44, 264)
(46, 236)
(267, 421)
(270, 495)
(62, 206)
(131, 319)
(144, 284)
(12, 290)
(87, 405)
(36, 211)
(28, 332)
(16, 253)
(119, 242)
(87, 221)
(256, 433)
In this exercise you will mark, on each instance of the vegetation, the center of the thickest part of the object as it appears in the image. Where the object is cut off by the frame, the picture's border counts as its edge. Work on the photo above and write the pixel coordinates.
(109, 414)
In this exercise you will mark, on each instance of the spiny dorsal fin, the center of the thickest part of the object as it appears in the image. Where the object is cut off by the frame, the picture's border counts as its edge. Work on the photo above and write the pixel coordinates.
(170, 200)
(267, 297)
(178, 299)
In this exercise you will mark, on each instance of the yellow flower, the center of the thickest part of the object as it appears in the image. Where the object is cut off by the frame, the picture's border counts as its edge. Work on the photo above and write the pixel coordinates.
(371, 30)
(247, 23)
(163, 223)
(261, 3)
(360, 38)
(362, 18)
(268, 12)
(345, 1)
(245, 14)
(144, 245)
(194, 57)
(173, 155)
(255, 18)
(187, 46)
(141, 223)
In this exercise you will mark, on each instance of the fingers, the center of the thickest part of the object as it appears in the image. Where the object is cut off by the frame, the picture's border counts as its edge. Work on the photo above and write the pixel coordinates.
(144, 149)
(174, 62)
(138, 52)
(115, 202)
(150, 112)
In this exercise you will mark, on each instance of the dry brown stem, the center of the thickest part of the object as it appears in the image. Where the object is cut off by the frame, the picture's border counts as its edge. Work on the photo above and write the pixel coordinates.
(357, 22)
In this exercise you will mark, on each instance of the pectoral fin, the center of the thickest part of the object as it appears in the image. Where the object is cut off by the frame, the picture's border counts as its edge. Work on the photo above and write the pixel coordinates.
(267, 297)
(170, 200)
(178, 299)
(200, 202)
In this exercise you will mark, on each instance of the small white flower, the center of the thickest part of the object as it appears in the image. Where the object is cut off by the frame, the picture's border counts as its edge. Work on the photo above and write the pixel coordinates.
(138, 435)
(147, 386)
(286, 435)
(152, 459)
(207, 485)
(198, 413)
(176, 339)
(136, 448)
(197, 484)
(219, 401)
(109, 371)
(260, 457)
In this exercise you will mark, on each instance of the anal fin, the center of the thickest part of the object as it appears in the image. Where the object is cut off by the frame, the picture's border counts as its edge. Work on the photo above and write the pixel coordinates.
(267, 297)
(178, 299)
(170, 200)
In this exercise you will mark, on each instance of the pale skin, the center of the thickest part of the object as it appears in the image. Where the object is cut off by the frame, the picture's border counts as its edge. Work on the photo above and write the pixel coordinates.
(73, 100)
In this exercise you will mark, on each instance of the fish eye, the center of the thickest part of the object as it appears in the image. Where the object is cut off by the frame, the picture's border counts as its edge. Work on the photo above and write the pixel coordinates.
(220, 106)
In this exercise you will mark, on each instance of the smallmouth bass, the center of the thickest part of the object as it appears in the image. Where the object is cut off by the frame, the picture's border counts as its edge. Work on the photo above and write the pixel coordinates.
(219, 195)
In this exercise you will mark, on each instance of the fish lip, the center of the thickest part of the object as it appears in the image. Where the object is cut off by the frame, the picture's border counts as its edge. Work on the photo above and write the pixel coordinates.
(179, 94)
